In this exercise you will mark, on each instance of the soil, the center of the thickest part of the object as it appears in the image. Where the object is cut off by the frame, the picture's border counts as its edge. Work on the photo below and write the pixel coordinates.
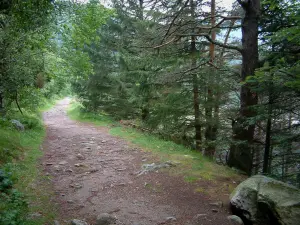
(94, 172)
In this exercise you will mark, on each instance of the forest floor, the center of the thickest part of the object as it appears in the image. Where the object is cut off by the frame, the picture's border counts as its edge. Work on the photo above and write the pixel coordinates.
(94, 172)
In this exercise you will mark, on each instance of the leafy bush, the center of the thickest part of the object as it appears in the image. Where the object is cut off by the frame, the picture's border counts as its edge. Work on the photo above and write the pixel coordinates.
(9, 145)
(29, 120)
(13, 207)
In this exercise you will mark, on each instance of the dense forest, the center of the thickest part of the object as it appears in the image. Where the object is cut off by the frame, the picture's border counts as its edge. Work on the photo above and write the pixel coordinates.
(223, 82)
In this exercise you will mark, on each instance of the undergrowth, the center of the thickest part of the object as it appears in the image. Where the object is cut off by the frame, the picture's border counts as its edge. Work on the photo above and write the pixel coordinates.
(192, 165)
(77, 112)
(23, 190)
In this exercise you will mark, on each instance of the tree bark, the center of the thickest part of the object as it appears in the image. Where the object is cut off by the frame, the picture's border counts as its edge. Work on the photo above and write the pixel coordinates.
(197, 123)
(241, 149)
(267, 147)
(267, 161)
(141, 10)
(1, 104)
(210, 131)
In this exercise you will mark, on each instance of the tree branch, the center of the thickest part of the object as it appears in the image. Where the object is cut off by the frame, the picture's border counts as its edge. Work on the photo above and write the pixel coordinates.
(168, 42)
(212, 41)
(173, 20)
(224, 18)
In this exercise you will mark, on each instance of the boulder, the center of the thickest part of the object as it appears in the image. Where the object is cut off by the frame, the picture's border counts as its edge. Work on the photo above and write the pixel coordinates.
(18, 125)
(265, 200)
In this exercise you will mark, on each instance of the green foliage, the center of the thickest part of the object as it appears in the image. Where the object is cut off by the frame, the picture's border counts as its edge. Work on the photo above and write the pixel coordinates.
(78, 112)
(13, 207)
(191, 164)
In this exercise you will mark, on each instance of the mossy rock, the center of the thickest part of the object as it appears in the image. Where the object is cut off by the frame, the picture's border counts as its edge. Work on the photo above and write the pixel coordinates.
(261, 198)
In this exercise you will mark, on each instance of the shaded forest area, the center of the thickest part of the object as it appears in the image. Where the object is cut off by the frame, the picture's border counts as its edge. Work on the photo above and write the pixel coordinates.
(223, 82)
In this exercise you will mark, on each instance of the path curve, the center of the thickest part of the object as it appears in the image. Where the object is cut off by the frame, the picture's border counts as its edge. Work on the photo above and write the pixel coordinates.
(93, 172)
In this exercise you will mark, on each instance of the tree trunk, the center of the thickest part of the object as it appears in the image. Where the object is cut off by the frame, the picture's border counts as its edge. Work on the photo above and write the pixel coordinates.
(240, 155)
(197, 123)
(210, 132)
(267, 147)
(266, 167)
(287, 155)
(141, 10)
(1, 104)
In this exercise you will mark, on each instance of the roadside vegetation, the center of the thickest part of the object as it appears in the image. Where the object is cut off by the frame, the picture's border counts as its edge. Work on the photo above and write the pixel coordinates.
(24, 192)
(191, 164)
(175, 74)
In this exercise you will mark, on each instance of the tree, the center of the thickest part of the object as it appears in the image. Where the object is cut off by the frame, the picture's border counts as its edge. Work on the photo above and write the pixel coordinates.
(23, 37)
(243, 133)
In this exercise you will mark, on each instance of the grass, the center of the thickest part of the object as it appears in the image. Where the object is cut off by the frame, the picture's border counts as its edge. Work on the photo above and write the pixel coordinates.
(76, 112)
(192, 165)
(20, 153)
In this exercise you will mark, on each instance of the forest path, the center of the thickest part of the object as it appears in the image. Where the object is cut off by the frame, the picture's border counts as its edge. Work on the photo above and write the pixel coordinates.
(94, 172)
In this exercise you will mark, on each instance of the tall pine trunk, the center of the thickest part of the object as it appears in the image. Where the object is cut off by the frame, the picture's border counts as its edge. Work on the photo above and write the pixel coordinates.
(210, 131)
(240, 155)
(267, 153)
(196, 102)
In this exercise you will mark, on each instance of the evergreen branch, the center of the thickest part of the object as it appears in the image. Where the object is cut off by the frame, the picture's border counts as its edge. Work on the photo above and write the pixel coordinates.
(168, 42)
(173, 20)
(224, 18)
(212, 41)
(194, 68)
(213, 65)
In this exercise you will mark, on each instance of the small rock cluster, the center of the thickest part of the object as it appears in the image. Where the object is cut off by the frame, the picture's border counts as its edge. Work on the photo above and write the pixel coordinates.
(102, 219)
(107, 219)
(155, 166)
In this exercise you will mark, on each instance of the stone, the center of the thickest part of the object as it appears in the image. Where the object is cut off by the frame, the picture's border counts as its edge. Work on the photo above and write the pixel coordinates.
(57, 168)
(63, 162)
(105, 219)
(55, 222)
(79, 165)
(76, 185)
(93, 170)
(80, 156)
(170, 219)
(78, 222)
(155, 166)
(18, 125)
(218, 204)
(266, 200)
(235, 220)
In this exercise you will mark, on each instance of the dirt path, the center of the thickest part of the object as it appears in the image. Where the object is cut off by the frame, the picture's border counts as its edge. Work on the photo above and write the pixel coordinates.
(94, 172)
